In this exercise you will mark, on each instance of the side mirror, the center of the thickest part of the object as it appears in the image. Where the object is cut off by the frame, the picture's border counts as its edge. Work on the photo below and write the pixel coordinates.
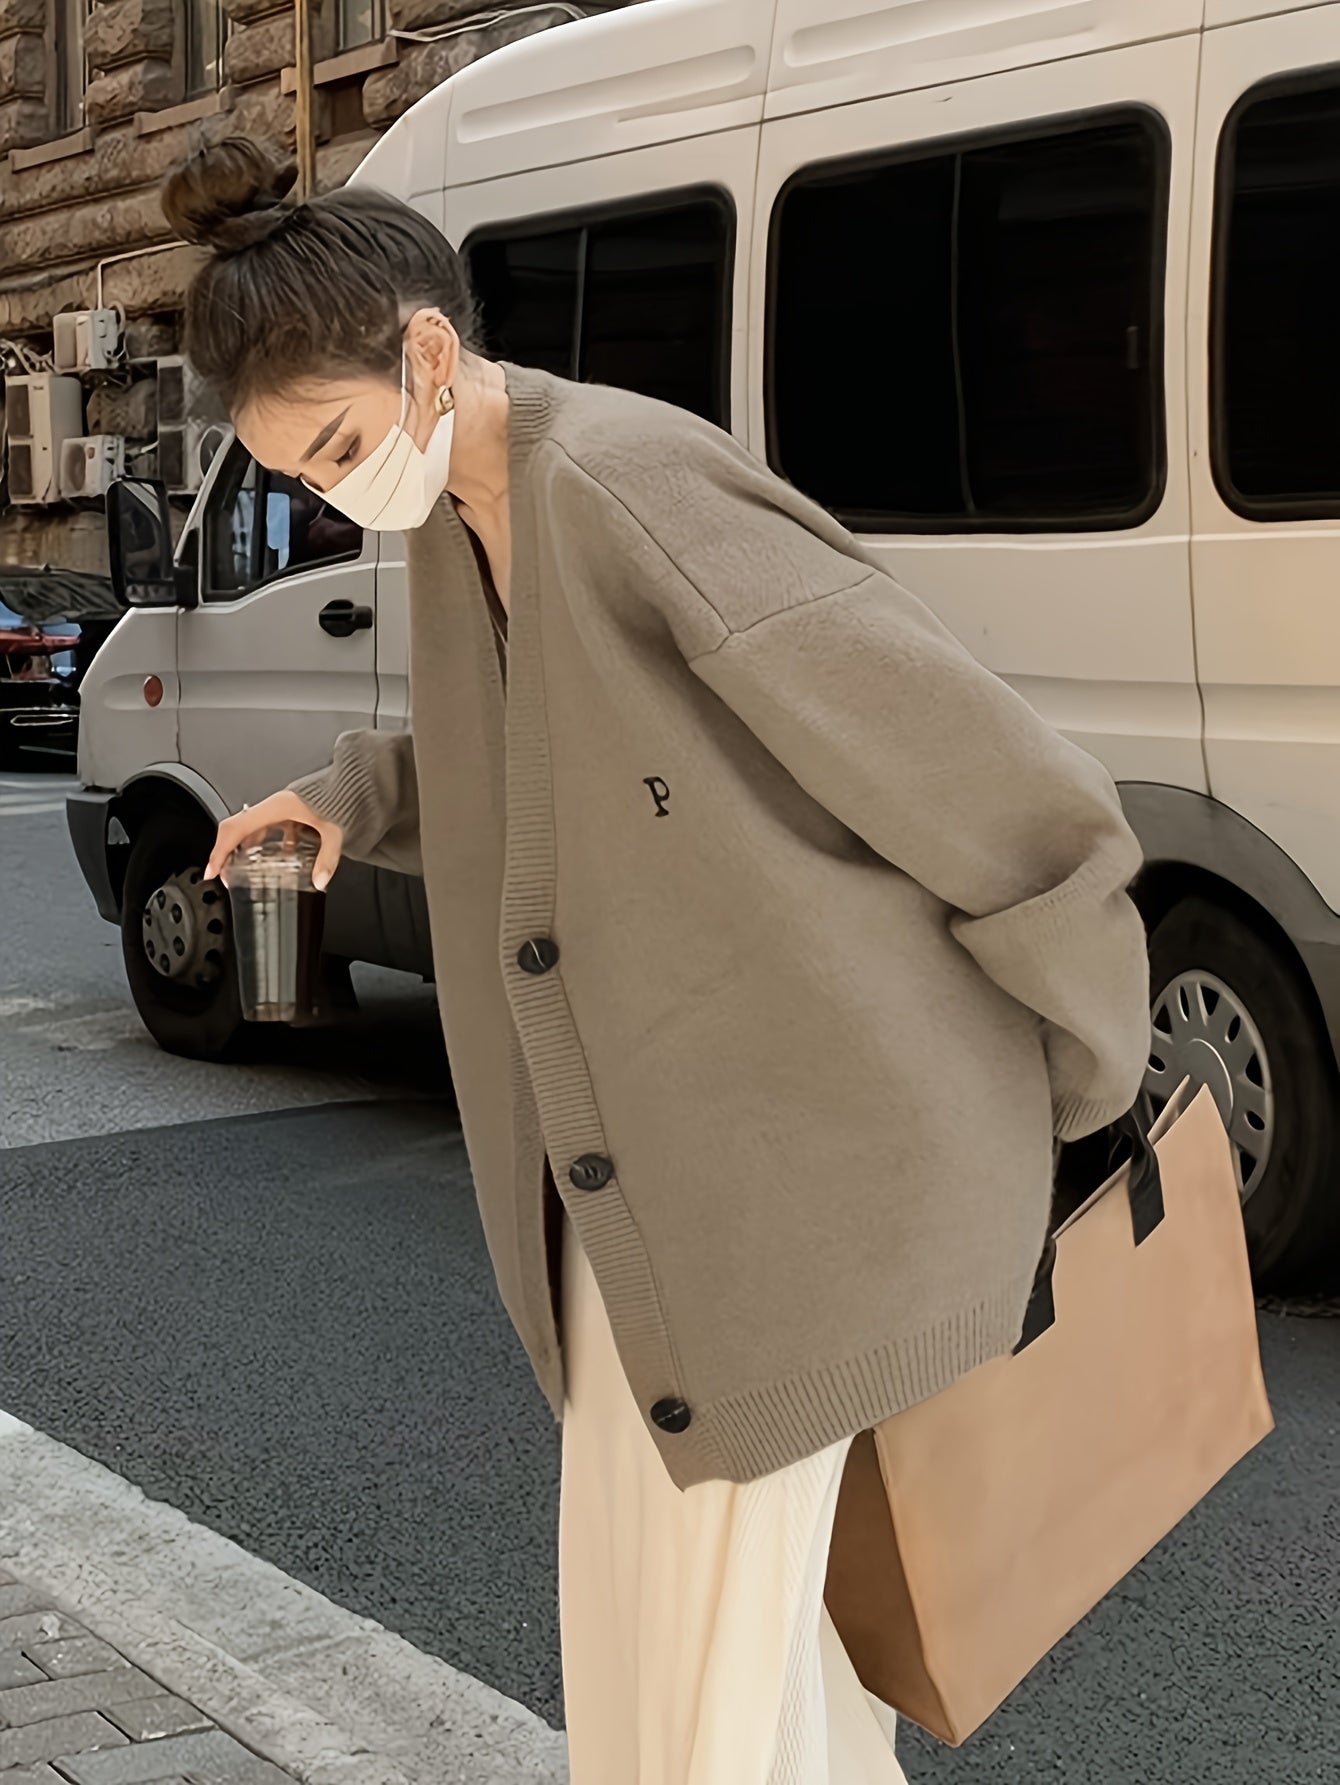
(139, 544)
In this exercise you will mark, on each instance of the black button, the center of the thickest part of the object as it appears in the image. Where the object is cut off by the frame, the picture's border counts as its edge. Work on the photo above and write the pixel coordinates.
(538, 955)
(671, 1416)
(591, 1172)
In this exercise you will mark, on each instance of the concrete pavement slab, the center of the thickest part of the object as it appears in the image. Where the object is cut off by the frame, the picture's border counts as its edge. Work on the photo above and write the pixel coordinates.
(148, 1719)
(76, 1655)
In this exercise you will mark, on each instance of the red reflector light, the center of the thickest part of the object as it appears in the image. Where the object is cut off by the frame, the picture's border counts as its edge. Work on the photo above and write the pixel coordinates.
(153, 691)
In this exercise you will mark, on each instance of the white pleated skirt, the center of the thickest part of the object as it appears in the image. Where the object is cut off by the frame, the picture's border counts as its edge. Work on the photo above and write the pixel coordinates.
(696, 1646)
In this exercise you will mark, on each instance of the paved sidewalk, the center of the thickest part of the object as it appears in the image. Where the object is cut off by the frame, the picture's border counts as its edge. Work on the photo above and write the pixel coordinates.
(74, 1711)
(138, 1648)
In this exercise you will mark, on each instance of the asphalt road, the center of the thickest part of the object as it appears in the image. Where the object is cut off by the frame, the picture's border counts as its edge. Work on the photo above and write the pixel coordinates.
(262, 1294)
(74, 1058)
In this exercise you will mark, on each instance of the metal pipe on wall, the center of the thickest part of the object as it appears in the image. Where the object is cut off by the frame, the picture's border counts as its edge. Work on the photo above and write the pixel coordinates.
(304, 121)
(110, 260)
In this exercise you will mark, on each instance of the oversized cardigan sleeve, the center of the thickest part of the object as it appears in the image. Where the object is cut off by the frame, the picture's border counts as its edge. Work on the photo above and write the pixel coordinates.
(371, 791)
(952, 777)
(886, 720)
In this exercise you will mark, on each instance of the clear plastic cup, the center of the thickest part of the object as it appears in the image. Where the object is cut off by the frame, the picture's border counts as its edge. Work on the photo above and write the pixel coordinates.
(278, 918)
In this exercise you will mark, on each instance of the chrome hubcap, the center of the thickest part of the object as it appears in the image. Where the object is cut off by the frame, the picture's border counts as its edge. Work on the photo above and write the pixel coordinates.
(1202, 1031)
(184, 929)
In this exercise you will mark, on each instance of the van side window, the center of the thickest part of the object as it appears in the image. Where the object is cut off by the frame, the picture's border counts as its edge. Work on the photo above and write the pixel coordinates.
(261, 525)
(971, 337)
(526, 287)
(639, 299)
(1277, 344)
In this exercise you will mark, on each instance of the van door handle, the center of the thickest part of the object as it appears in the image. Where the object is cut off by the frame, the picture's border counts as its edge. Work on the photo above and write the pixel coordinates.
(341, 619)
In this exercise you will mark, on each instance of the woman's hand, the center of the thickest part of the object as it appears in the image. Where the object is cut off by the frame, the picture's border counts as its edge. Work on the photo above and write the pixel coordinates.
(284, 809)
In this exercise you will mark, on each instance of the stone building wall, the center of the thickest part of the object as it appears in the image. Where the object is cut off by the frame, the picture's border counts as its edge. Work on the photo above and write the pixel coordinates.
(89, 199)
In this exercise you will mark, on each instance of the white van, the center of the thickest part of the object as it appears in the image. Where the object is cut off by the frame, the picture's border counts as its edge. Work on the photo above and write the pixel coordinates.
(1038, 296)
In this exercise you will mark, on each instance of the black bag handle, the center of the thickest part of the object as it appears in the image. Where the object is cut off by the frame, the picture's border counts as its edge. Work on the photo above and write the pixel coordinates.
(1147, 1210)
(1041, 1311)
(1146, 1180)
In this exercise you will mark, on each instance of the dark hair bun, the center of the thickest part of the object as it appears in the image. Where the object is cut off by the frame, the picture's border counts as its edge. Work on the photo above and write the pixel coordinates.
(229, 196)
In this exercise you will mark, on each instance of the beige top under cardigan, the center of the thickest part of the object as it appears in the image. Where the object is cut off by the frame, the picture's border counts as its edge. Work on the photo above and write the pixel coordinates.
(788, 930)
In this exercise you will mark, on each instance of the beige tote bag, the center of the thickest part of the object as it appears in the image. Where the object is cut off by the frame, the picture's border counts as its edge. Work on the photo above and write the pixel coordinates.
(978, 1527)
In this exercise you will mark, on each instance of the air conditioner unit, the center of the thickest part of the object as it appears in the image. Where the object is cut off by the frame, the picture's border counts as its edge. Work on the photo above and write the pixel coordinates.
(178, 390)
(179, 456)
(181, 429)
(42, 412)
(90, 464)
(87, 340)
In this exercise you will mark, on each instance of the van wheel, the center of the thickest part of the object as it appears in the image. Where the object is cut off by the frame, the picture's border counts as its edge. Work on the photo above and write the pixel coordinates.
(176, 936)
(1232, 1011)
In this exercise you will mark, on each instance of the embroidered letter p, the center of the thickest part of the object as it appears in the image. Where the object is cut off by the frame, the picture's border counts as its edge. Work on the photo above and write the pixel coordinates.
(660, 792)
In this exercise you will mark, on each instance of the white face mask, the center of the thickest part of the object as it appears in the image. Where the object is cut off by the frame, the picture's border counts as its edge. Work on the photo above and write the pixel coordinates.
(397, 486)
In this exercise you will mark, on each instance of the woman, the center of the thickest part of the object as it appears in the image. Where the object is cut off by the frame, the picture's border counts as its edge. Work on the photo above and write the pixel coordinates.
(776, 941)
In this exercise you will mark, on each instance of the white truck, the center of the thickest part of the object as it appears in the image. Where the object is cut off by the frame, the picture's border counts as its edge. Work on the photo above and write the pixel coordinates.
(1036, 297)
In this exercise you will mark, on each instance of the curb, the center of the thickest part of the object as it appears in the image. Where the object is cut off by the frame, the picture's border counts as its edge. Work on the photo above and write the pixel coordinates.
(326, 1695)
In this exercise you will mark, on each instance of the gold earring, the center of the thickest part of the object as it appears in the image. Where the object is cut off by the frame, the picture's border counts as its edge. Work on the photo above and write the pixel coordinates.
(444, 402)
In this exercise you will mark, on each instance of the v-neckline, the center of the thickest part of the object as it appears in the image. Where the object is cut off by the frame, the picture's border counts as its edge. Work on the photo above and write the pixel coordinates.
(531, 401)
(492, 600)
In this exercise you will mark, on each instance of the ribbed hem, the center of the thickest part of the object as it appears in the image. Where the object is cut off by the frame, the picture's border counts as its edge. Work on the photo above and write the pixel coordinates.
(770, 1428)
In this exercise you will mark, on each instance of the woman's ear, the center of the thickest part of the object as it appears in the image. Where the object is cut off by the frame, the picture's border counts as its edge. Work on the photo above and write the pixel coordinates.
(433, 349)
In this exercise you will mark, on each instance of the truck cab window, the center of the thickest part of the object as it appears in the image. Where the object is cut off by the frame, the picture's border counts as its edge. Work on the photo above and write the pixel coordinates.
(261, 525)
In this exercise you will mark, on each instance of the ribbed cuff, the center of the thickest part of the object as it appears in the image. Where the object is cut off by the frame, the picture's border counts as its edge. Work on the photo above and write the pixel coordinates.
(1074, 1118)
(338, 795)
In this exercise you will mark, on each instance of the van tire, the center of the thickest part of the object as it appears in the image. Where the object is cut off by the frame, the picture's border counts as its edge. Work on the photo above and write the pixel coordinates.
(200, 1022)
(1292, 1217)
